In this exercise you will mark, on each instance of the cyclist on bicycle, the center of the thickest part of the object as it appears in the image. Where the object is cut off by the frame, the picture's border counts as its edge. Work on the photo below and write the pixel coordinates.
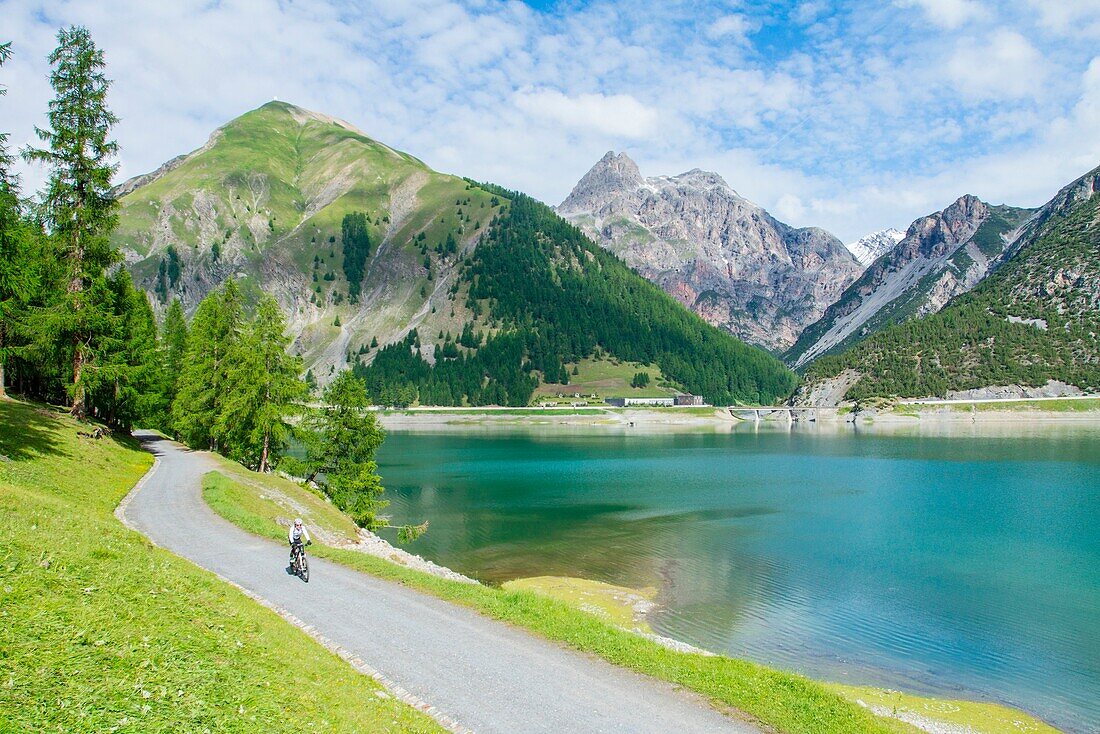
(297, 532)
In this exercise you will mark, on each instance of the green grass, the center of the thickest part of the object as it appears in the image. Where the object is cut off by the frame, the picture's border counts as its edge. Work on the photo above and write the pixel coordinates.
(1085, 405)
(607, 378)
(100, 631)
(613, 604)
(784, 701)
(987, 718)
(277, 497)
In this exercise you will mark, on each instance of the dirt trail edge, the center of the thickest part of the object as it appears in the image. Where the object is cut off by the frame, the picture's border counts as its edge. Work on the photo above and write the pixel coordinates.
(469, 672)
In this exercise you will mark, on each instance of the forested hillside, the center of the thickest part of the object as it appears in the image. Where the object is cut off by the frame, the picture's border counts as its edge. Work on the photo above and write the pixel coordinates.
(1036, 318)
(552, 297)
(388, 267)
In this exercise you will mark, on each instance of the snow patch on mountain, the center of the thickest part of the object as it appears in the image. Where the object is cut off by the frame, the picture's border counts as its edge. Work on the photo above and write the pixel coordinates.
(871, 247)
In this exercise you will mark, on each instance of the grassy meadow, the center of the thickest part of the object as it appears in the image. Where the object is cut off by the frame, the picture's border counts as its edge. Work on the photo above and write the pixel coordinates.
(102, 632)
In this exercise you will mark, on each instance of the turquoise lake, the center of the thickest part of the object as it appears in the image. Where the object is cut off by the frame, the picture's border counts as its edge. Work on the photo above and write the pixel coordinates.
(965, 565)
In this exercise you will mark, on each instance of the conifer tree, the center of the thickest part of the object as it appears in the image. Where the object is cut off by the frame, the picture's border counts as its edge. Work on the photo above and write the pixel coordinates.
(174, 347)
(356, 239)
(78, 205)
(19, 272)
(204, 381)
(125, 385)
(265, 390)
(341, 440)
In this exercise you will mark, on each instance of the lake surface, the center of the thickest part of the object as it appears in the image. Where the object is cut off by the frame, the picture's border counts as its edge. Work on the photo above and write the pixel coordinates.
(965, 565)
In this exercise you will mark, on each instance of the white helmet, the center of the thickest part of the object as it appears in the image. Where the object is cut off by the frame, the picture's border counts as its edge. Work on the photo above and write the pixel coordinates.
(297, 521)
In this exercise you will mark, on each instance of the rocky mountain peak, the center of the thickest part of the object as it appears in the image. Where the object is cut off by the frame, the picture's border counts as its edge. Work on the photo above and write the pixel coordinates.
(966, 208)
(941, 231)
(716, 252)
(699, 178)
(613, 174)
(619, 162)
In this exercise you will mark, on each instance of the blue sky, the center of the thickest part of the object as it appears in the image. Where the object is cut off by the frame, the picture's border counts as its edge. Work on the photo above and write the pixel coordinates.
(846, 115)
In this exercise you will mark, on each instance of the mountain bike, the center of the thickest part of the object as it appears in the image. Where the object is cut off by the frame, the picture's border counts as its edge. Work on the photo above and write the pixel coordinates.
(298, 561)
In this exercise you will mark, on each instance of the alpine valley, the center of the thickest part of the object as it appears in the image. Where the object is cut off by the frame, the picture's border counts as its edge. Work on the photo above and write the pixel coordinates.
(433, 287)
(942, 255)
(441, 290)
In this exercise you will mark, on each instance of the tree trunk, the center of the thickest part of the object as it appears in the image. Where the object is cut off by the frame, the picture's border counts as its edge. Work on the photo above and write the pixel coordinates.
(3, 394)
(76, 285)
(79, 408)
(263, 456)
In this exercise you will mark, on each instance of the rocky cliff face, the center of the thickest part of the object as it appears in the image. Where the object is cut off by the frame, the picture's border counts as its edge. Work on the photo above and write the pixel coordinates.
(941, 256)
(719, 254)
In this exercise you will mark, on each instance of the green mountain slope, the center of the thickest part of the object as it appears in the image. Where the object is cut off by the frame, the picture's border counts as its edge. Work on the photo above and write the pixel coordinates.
(264, 201)
(1035, 319)
(365, 246)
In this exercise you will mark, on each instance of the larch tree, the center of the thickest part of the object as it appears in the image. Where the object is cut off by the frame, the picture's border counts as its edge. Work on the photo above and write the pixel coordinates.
(18, 240)
(173, 340)
(265, 390)
(203, 383)
(79, 208)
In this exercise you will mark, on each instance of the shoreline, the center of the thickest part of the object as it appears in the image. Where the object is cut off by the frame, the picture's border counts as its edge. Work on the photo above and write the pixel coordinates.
(1023, 414)
(661, 420)
(932, 711)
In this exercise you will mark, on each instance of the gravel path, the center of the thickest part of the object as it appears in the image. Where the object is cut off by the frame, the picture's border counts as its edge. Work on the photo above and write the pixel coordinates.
(470, 672)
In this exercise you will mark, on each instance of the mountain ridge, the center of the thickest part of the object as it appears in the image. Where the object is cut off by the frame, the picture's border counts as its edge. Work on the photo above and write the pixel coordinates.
(1034, 321)
(942, 255)
(263, 199)
(366, 248)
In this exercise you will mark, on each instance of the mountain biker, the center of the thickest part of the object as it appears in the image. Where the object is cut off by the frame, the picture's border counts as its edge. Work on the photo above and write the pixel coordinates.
(297, 531)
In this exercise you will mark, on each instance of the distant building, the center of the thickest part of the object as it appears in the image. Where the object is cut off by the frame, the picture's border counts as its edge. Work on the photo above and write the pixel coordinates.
(689, 399)
(646, 402)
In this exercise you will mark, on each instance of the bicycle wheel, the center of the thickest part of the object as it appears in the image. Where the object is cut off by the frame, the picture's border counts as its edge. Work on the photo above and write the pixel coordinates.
(303, 567)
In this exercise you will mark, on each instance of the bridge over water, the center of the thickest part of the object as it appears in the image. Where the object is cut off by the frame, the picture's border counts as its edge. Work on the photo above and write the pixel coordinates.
(782, 413)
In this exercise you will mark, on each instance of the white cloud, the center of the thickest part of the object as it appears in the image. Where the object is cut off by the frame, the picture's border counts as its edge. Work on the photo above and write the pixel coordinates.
(1071, 17)
(949, 13)
(809, 11)
(789, 207)
(737, 26)
(840, 125)
(619, 115)
(1004, 65)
